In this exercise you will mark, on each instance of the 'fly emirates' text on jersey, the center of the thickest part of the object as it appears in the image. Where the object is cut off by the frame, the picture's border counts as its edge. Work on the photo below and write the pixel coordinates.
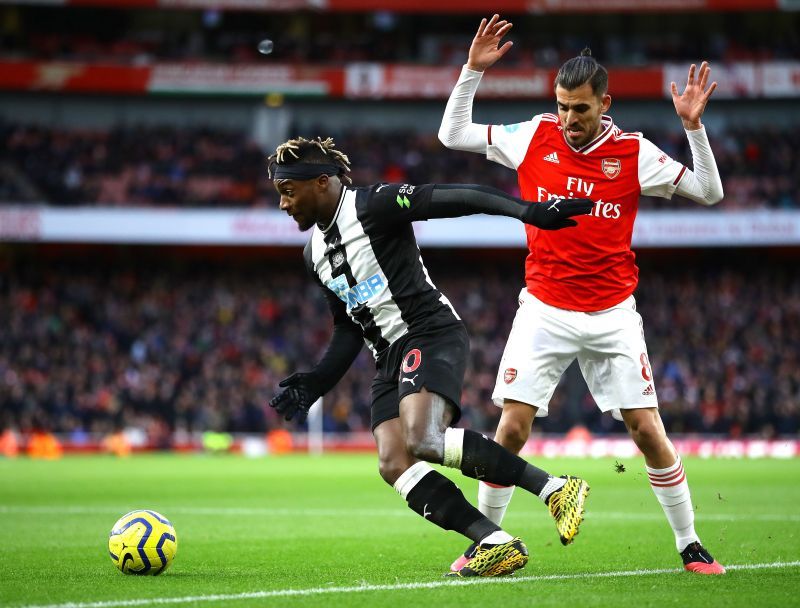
(590, 267)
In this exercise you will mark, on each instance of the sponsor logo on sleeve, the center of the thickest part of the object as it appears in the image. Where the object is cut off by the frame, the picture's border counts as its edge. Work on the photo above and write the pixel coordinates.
(403, 193)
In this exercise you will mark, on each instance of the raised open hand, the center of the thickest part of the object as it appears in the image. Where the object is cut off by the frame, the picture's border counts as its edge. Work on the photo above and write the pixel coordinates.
(691, 104)
(485, 48)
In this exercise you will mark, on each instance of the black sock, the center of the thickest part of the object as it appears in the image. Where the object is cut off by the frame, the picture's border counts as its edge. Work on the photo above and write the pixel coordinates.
(440, 501)
(486, 460)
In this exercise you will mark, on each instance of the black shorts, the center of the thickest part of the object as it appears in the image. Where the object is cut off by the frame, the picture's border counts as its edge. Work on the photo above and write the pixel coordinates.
(434, 359)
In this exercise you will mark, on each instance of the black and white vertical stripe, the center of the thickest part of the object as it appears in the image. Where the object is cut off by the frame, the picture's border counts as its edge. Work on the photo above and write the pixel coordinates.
(368, 256)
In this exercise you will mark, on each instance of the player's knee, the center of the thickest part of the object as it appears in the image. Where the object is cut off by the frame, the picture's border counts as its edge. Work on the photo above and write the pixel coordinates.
(646, 431)
(512, 433)
(425, 445)
(392, 467)
(423, 441)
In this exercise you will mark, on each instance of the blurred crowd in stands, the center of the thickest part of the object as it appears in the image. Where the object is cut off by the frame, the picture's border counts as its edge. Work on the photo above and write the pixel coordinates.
(171, 348)
(148, 36)
(135, 167)
(168, 166)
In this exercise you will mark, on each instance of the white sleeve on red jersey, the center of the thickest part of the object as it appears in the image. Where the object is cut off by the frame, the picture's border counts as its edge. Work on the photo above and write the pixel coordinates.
(457, 130)
(508, 144)
(704, 186)
(659, 174)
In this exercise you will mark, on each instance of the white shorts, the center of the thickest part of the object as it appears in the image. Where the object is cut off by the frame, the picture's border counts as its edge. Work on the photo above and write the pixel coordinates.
(609, 345)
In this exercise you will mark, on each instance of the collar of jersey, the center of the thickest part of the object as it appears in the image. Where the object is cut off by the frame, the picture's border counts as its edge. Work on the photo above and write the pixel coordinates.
(325, 229)
(608, 126)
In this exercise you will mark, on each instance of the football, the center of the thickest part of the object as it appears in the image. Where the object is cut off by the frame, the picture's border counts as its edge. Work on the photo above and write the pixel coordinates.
(142, 542)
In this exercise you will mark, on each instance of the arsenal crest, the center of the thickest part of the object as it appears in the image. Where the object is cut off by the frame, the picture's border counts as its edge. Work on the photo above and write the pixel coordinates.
(510, 375)
(611, 167)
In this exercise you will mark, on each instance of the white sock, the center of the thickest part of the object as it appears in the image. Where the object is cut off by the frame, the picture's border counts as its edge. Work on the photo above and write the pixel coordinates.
(411, 477)
(453, 447)
(672, 491)
(496, 538)
(553, 484)
(493, 500)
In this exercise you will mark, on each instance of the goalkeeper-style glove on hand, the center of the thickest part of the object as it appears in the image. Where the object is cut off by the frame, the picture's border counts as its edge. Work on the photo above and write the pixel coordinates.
(553, 214)
(301, 392)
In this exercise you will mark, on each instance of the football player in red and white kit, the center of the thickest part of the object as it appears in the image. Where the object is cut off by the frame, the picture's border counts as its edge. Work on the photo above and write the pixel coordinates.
(578, 302)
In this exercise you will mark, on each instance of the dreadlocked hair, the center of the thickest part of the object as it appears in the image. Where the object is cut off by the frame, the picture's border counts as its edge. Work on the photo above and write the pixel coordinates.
(312, 151)
(581, 70)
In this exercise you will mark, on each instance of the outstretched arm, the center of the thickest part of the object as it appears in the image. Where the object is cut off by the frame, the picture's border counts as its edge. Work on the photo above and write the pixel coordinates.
(395, 204)
(702, 185)
(457, 130)
(457, 200)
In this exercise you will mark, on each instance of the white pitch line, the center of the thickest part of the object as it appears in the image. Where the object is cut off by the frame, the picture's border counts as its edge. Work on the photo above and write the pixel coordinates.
(398, 512)
(398, 587)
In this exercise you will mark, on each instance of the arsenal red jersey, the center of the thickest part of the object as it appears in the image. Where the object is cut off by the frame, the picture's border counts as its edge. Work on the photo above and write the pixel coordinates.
(589, 267)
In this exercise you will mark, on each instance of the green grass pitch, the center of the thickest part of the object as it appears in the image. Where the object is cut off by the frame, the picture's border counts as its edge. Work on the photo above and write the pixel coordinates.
(321, 531)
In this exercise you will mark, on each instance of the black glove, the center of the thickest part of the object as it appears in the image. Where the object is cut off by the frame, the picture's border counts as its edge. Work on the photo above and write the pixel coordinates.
(302, 390)
(553, 214)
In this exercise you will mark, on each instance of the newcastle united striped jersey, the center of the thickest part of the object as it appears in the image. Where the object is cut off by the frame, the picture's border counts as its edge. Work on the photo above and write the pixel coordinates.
(368, 263)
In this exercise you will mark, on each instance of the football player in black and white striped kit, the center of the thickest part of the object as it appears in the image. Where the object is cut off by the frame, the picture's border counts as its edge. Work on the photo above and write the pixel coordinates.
(364, 255)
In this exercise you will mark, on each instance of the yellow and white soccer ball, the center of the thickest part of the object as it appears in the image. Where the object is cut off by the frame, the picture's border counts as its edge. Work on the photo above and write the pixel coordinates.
(142, 542)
